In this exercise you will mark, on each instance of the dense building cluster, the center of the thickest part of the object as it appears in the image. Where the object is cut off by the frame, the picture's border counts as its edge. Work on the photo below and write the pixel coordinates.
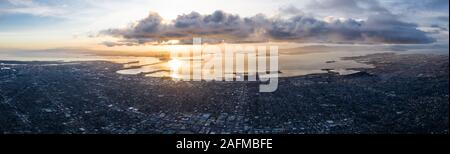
(403, 94)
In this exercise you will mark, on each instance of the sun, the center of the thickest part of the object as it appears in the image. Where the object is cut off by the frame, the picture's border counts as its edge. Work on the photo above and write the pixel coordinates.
(174, 66)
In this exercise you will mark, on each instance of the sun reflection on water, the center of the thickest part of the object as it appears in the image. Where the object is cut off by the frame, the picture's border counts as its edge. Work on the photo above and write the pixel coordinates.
(174, 66)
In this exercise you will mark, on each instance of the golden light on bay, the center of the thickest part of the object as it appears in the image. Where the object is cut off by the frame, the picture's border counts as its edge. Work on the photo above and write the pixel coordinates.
(174, 66)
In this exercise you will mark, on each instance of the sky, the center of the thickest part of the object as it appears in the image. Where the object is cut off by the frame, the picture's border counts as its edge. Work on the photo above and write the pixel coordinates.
(118, 24)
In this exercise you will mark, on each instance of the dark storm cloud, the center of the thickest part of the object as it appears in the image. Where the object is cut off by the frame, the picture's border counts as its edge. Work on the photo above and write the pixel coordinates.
(376, 29)
(290, 10)
(218, 26)
(426, 12)
(430, 5)
(349, 7)
(391, 30)
(443, 18)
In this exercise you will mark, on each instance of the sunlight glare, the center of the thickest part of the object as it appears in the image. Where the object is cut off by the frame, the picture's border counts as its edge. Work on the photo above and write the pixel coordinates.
(174, 66)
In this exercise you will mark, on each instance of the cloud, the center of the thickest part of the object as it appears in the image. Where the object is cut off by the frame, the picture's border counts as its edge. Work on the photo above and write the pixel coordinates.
(218, 26)
(21, 2)
(429, 5)
(348, 8)
(422, 12)
(30, 7)
(290, 10)
(425, 12)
